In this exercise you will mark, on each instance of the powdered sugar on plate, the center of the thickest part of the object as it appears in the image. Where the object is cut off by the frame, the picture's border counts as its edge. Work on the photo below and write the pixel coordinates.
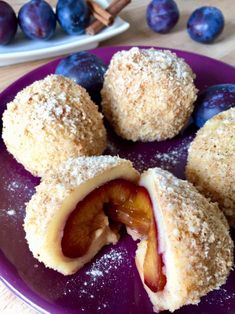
(173, 156)
(11, 212)
(102, 273)
(16, 188)
(107, 263)
(220, 297)
(169, 159)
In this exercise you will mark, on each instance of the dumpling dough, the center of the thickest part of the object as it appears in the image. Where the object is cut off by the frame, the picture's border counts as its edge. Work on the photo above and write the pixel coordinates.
(211, 162)
(193, 238)
(50, 121)
(57, 196)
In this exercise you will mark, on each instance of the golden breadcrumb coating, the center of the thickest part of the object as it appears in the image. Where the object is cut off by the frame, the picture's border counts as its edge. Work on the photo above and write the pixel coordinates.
(57, 196)
(211, 162)
(50, 121)
(148, 94)
(194, 241)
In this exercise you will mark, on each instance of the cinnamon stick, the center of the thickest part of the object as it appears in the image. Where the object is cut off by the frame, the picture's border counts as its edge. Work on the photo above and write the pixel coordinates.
(114, 8)
(99, 13)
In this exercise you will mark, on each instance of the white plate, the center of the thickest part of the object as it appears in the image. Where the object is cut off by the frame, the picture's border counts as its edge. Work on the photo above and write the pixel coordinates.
(22, 49)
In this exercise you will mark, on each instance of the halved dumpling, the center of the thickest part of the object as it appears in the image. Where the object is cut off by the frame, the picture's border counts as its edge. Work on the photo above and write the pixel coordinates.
(193, 242)
(49, 212)
(185, 249)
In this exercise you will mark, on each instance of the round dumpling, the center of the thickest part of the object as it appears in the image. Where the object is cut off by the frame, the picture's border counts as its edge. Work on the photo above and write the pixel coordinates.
(50, 121)
(148, 94)
(211, 162)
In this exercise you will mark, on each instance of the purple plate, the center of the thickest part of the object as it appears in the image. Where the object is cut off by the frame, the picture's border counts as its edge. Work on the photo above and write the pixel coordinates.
(110, 282)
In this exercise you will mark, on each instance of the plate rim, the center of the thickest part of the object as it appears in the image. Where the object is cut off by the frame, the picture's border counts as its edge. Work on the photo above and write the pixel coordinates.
(16, 292)
(91, 39)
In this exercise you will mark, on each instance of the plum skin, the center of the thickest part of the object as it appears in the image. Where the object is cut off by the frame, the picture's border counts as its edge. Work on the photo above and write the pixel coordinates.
(37, 20)
(8, 23)
(213, 100)
(205, 24)
(162, 15)
(73, 16)
(85, 69)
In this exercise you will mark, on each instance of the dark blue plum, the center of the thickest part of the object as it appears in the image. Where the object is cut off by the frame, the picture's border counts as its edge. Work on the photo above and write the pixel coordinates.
(37, 20)
(212, 101)
(162, 15)
(205, 24)
(86, 70)
(73, 16)
(8, 23)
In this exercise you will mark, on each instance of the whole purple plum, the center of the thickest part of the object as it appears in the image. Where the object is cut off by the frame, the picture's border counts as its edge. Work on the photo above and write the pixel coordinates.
(85, 69)
(162, 15)
(8, 23)
(73, 16)
(212, 101)
(205, 24)
(37, 20)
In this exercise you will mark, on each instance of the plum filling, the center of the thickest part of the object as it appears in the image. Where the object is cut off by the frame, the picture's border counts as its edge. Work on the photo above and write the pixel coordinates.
(124, 203)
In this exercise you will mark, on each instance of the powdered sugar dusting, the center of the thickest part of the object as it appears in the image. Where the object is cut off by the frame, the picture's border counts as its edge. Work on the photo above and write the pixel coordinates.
(106, 263)
(220, 297)
(102, 273)
(11, 212)
(77, 170)
(168, 159)
(154, 60)
(172, 157)
(15, 190)
(13, 185)
(111, 147)
(19, 188)
(95, 273)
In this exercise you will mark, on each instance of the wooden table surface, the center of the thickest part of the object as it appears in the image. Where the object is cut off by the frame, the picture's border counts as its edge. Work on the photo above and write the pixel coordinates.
(138, 34)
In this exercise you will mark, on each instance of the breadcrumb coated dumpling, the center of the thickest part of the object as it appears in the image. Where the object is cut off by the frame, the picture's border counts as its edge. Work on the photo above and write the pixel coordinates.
(193, 238)
(148, 94)
(56, 198)
(51, 120)
(211, 162)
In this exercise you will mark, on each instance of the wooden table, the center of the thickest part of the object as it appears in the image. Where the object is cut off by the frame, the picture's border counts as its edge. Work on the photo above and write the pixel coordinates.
(138, 34)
